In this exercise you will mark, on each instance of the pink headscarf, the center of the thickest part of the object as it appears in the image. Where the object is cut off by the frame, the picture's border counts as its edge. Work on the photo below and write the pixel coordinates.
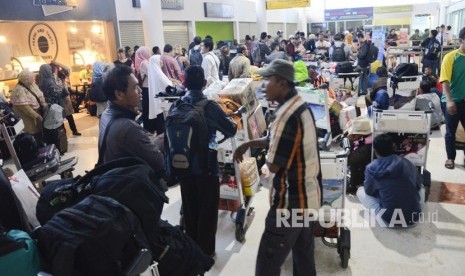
(143, 53)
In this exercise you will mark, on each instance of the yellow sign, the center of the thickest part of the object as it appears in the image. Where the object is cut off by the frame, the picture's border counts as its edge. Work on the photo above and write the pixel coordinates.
(393, 9)
(286, 4)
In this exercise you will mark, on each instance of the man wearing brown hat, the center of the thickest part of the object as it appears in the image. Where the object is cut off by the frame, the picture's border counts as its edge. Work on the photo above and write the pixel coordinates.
(293, 157)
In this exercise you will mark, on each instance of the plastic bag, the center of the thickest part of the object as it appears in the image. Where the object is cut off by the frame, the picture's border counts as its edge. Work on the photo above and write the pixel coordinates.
(27, 195)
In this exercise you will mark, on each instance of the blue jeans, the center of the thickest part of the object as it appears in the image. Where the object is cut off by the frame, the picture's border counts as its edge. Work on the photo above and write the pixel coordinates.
(363, 80)
(452, 122)
(372, 203)
(278, 242)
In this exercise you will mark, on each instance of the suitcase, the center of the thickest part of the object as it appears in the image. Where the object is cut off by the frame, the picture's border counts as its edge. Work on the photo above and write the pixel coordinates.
(57, 137)
(46, 162)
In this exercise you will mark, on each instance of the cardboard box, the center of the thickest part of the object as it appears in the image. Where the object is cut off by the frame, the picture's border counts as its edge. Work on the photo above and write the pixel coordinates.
(240, 91)
(256, 123)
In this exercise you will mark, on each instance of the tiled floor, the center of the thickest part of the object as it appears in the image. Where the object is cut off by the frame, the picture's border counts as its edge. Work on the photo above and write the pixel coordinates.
(435, 247)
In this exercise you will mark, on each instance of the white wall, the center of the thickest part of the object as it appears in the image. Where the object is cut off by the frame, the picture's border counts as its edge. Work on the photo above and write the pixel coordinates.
(245, 11)
(316, 12)
(460, 5)
(431, 8)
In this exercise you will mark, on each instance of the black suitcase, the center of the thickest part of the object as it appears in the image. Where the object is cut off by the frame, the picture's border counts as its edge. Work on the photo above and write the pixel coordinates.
(57, 137)
(46, 162)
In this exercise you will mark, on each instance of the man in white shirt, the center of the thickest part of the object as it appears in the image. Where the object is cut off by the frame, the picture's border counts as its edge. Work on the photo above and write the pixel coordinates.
(210, 62)
(322, 45)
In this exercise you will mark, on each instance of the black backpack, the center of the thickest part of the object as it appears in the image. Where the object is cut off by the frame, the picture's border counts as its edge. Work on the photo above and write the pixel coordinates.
(97, 236)
(344, 67)
(432, 49)
(186, 137)
(372, 53)
(177, 254)
(195, 57)
(401, 71)
(26, 147)
(257, 53)
(338, 54)
(128, 180)
(96, 91)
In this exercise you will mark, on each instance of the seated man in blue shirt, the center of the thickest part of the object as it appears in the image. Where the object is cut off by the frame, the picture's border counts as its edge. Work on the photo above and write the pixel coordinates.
(392, 187)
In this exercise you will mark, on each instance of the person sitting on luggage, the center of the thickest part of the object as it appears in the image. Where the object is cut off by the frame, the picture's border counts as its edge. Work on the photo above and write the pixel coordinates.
(360, 154)
(392, 187)
(339, 51)
(119, 134)
(426, 100)
(28, 102)
(379, 91)
(200, 188)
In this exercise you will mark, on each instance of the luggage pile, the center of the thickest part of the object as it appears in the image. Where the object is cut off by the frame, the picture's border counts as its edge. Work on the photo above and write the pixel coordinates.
(91, 225)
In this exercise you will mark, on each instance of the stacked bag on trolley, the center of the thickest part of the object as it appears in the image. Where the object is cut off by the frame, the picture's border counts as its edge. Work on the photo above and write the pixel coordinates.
(108, 223)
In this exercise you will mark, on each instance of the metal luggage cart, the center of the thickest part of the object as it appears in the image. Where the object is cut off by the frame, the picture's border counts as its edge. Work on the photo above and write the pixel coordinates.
(410, 132)
(317, 100)
(334, 172)
(35, 174)
(231, 186)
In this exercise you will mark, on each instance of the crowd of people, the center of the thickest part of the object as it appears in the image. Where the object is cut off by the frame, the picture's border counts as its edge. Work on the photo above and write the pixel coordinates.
(388, 182)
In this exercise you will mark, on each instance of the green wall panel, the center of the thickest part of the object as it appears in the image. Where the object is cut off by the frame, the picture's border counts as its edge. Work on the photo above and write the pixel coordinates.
(218, 30)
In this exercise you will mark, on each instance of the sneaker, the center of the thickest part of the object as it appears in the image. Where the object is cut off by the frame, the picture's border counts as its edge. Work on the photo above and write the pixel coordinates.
(75, 133)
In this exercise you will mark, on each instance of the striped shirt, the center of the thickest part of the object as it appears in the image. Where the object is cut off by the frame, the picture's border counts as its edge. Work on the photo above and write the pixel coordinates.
(294, 148)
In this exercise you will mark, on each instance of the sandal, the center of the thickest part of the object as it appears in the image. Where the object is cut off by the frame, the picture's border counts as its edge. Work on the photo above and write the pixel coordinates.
(450, 164)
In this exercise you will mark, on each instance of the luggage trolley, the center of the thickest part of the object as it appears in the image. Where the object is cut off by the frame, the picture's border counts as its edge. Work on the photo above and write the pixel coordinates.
(232, 191)
(334, 172)
(42, 169)
(410, 132)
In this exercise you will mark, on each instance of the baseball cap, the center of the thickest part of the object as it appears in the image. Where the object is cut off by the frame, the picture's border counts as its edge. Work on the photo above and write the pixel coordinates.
(278, 67)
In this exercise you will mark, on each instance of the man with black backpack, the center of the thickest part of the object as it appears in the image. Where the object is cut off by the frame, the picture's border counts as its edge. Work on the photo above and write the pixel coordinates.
(367, 54)
(260, 50)
(195, 56)
(432, 48)
(190, 140)
(339, 51)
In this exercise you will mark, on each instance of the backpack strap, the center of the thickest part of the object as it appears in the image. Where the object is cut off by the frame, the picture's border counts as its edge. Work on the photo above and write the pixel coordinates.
(101, 150)
(103, 168)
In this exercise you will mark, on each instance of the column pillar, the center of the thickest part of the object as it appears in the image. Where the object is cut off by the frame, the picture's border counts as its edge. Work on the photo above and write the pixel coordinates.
(262, 24)
(153, 23)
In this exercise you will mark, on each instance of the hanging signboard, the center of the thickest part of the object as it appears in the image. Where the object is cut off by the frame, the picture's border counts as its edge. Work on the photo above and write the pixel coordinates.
(172, 4)
(349, 14)
(279, 4)
(55, 6)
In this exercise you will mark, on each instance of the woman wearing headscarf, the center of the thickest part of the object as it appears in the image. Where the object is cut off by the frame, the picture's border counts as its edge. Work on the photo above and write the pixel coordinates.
(158, 82)
(142, 70)
(61, 73)
(96, 89)
(53, 93)
(28, 102)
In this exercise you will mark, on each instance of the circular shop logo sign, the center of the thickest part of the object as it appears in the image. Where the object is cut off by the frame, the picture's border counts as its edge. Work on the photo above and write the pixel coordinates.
(43, 42)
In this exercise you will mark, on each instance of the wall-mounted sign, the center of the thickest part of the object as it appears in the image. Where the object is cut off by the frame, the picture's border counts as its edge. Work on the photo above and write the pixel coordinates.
(218, 10)
(43, 42)
(286, 4)
(55, 6)
(393, 9)
(172, 4)
(320, 25)
(349, 14)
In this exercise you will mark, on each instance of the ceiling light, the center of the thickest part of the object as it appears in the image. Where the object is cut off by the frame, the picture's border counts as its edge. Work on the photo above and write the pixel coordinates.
(2, 39)
(73, 30)
(96, 29)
